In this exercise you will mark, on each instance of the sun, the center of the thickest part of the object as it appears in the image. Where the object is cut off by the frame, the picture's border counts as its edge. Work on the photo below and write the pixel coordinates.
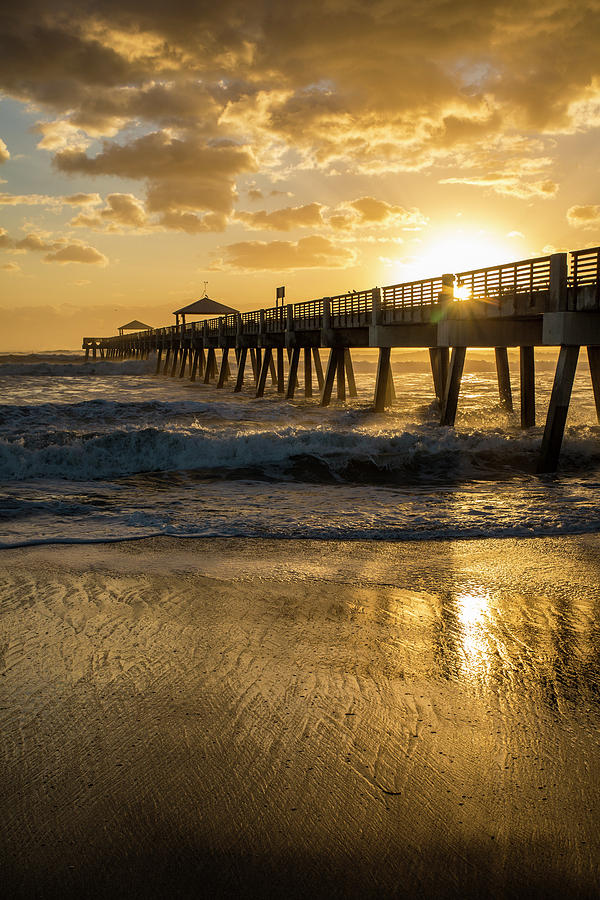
(455, 250)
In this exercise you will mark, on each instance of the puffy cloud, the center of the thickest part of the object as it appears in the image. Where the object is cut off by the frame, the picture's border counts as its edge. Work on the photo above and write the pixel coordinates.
(286, 219)
(370, 211)
(584, 216)
(60, 250)
(307, 253)
(192, 223)
(348, 87)
(11, 267)
(360, 213)
(4, 154)
(182, 174)
(77, 252)
(121, 212)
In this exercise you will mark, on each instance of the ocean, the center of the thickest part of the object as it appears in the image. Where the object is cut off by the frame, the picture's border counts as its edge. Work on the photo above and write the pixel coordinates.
(107, 451)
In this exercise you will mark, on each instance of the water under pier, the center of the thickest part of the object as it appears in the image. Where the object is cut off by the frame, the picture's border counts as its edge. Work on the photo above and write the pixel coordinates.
(549, 301)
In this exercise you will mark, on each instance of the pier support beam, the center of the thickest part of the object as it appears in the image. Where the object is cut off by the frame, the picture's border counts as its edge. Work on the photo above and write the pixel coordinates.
(264, 371)
(329, 378)
(211, 366)
(527, 387)
(318, 367)
(307, 372)
(593, 354)
(195, 359)
(341, 373)
(350, 373)
(240, 373)
(255, 368)
(452, 390)
(438, 357)
(293, 373)
(158, 359)
(184, 356)
(174, 366)
(272, 369)
(224, 372)
(280, 372)
(384, 372)
(167, 357)
(558, 409)
(503, 372)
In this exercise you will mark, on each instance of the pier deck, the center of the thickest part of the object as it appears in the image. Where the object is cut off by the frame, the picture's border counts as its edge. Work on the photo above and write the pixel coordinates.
(547, 301)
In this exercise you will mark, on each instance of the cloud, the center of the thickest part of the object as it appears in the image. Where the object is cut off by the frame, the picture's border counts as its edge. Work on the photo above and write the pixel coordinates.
(343, 87)
(584, 216)
(79, 199)
(509, 184)
(121, 212)
(370, 211)
(4, 154)
(192, 223)
(60, 250)
(307, 253)
(362, 213)
(307, 216)
(76, 252)
(181, 174)
(11, 267)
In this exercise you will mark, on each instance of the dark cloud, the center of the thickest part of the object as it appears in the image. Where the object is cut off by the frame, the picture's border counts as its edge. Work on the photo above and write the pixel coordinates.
(224, 89)
(181, 174)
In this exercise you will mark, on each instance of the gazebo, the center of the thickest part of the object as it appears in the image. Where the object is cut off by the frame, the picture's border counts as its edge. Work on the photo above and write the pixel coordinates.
(135, 325)
(203, 307)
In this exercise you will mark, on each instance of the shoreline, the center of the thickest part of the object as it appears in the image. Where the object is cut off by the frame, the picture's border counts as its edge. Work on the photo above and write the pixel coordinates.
(277, 718)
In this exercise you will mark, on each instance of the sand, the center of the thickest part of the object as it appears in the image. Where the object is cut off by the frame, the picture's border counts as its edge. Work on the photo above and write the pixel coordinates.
(300, 719)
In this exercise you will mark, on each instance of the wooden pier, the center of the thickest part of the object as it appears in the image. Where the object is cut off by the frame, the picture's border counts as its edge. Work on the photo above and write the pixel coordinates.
(550, 301)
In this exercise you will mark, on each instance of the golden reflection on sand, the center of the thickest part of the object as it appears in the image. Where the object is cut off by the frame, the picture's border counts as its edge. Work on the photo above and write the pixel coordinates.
(473, 608)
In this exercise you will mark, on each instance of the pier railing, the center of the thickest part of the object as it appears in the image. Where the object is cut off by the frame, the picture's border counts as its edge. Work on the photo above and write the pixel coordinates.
(527, 280)
(584, 279)
(526, 277)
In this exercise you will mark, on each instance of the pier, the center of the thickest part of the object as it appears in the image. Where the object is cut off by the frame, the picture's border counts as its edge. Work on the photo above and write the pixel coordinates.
(549, 301)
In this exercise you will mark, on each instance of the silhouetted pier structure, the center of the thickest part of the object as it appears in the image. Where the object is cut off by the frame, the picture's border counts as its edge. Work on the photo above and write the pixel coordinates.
(549, 301)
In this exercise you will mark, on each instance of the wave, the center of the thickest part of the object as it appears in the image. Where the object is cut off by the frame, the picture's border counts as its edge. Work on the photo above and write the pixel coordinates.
(106, 413)
(298, 453)
(62, 368)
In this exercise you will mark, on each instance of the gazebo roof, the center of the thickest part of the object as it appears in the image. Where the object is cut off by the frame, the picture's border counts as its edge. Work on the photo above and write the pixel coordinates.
(205, 307)
(135, 325)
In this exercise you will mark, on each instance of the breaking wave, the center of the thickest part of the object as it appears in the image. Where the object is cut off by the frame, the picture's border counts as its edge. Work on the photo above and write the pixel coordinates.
(307, 454)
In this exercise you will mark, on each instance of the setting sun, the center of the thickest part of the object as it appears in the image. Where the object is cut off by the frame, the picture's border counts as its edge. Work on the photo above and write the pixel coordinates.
(452, 251)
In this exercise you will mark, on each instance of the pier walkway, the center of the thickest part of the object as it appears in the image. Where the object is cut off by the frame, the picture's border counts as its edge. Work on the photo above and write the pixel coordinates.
(547, 301)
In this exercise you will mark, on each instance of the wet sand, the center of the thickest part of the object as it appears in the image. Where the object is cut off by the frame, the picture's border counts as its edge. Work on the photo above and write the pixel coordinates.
(291, 719)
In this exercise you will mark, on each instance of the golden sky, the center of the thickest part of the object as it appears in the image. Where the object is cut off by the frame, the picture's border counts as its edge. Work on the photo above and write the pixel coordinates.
(148, 147)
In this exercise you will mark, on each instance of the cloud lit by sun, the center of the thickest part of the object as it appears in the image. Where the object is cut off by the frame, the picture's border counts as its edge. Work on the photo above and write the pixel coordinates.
(257, 144)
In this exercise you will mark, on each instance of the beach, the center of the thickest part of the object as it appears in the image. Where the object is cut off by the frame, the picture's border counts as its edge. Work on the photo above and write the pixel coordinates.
(236, 717)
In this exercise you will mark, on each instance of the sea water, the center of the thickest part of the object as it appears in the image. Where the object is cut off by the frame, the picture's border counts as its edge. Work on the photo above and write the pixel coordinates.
(104, 451)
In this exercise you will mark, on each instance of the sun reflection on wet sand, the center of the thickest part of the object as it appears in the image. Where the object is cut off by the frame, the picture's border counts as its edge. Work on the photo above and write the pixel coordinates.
(472, 614)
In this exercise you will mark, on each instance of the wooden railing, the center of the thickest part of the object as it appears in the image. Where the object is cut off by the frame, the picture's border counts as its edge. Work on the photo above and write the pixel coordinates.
(526, 277)
(352, 309)
(308, 315)
(585, 272)
(411, 294)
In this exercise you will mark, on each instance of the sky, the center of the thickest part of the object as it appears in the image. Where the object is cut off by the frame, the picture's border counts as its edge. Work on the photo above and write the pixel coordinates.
(148, 149)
